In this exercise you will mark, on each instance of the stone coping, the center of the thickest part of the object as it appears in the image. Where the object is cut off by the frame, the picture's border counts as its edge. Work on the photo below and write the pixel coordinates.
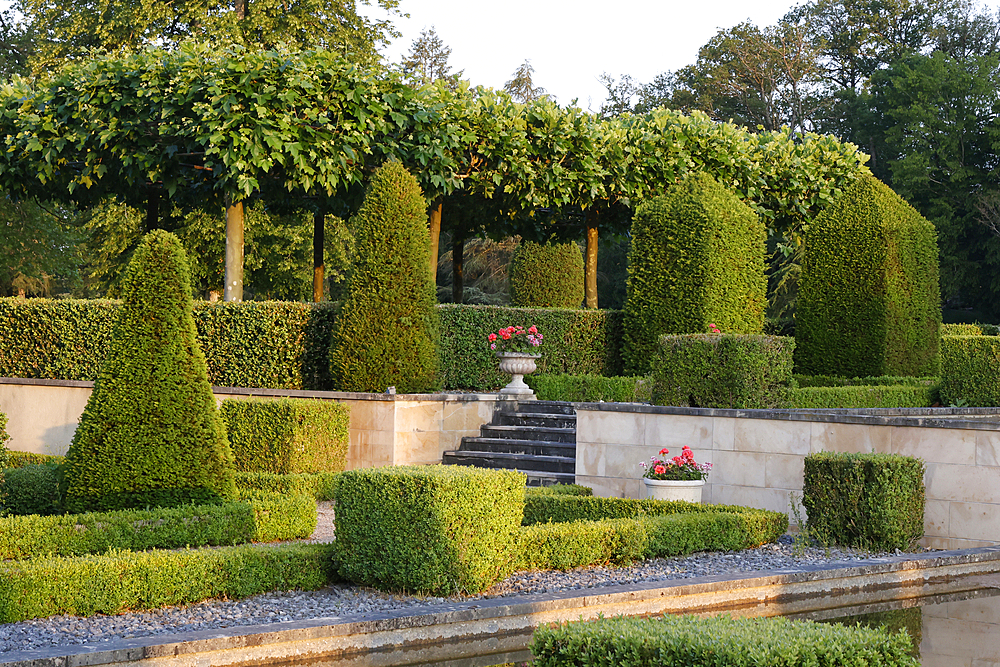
(806, 588)
(984, 419)
(456, 397)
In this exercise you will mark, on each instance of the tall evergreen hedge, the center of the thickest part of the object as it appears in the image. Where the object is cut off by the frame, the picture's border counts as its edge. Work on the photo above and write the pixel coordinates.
(697, 259)
(387, 332)
(869, 302)
(151, 434)
(548, 275)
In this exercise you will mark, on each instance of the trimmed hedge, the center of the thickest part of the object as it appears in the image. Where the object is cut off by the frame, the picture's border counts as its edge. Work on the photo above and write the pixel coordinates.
(873, 501)
(288, 435)
(727, 371)
(717, 641)
(589, 388)
(961, 330)
(430, 529)
(20, 459)
(885, 396)
(874, 381)
(697, 259)
(32, 489)
(869, 302)
(548, 275)
(318, 486)
(559, 490)
(970, 370)
(4, 452)
(127, 580)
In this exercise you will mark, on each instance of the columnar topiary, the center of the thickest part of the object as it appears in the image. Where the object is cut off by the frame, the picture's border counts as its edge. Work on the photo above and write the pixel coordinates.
(546, 275)
(869, 302)
(151, 434)
(387, 332)
(697, 259)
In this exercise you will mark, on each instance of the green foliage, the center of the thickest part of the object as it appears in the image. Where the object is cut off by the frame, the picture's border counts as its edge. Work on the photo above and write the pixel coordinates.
(716, 641)
(871, 381)
(432, 529)
(320, 486)
(873, 501)
(869, 302)
(32, 488)
(909, 621)
(40, 247)
(962, 330)
(151, 434)
(711, 371)
(970, 370)
(697, 259)
(4, 452)
(589, 388)
(559, 490)
(280, 516)
(20, 459)
(287, 435)
(576, 341)
(546, 275)
(388, 329)
(878, 396)
(117, 581)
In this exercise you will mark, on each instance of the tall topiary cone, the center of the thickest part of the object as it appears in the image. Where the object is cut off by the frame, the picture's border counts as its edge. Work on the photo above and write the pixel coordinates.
(387, 330)
(151, 434)
(546, 276)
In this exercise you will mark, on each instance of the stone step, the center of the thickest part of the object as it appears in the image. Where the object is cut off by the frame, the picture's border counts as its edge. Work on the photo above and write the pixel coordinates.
(546, 407)
(522, 462)
(535, 419)
(515, 446)
(545, 433)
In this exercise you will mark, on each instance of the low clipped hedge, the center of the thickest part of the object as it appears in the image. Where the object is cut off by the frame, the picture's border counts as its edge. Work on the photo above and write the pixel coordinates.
(723, 371)
(961, 329)
(118, 581)
(872, 500)
(263, 518)
(20, 459)
(559, 490)
(970, 370)
(719, 641)
(873, 381)
(902, 396)
(32, 489)
(288, 435)
(589, 388)
(319, 486)
(428, 529)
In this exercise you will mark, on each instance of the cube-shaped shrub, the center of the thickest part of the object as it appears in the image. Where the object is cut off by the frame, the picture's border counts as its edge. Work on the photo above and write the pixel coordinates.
(428, 529)
(874, 501)
(697, 259)
(710, 371)
(961, 330)
(289, 435)
(970, 370)
(546, 275)
(869, 302)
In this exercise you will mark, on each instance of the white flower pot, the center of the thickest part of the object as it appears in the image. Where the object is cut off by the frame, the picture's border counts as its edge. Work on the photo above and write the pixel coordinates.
(669, 489)
(518, 364)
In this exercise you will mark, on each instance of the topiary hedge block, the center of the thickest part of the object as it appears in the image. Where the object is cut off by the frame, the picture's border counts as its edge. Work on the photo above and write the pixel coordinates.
(869, 301)
(873, 501)
(697, 259)
(970, 370)
(588, 388)
(287, 436)
(548, 275)
(878, 396)
(428, 529)
(711, 371)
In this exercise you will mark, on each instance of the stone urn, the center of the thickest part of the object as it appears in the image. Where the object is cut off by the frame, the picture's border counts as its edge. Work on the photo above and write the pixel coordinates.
(517, 365)
(674, 489)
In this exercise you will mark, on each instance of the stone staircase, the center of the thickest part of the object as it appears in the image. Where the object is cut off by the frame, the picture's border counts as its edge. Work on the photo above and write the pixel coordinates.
(537, 438)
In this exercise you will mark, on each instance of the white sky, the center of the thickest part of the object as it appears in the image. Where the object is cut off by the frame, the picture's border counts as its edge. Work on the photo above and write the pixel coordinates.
(570, 43)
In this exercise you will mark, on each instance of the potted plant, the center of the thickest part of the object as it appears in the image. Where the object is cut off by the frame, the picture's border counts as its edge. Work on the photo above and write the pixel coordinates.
(517, 349)
(679, 478)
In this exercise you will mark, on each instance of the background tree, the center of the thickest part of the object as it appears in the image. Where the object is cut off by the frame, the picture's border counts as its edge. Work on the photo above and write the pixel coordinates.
(522, 86)
(40, 247)
(427, 60)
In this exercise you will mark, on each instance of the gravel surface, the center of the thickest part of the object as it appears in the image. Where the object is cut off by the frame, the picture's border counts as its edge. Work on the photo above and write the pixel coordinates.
(345, 600)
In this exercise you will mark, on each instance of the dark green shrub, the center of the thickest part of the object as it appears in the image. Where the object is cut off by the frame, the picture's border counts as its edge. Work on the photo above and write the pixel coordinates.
(20, 459)
(576, 341)
(388, 329)
(970, 370)
(716, 641)
(33, 489)
(126, 580)
(697, 259)
(287, 435)
(874, 501)
(559, 490)
(4, 452)
(319, 486)
(151, 434)
(709, 371)
(433, 529)
(961, 330)
(873, 381)
(868, 301)
(589, 388)
(878, 396)
(546, 275)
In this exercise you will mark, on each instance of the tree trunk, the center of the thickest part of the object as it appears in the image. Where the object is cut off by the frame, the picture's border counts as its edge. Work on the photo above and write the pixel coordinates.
(590, 265)
(457, 257)
(318, 265)
(152, 210)
(234, 252)
(435, 225)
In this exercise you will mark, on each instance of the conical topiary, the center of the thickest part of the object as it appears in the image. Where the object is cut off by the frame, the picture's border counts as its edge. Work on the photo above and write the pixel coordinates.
(387, 330)
(546, 275)
(151, 434)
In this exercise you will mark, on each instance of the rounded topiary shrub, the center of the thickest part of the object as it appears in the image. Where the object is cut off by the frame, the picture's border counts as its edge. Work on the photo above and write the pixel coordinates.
(151, 434)
(546, 275)
(386, 334)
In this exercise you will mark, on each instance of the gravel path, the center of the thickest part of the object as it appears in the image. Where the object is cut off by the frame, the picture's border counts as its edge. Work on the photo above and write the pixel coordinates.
(346, 600)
